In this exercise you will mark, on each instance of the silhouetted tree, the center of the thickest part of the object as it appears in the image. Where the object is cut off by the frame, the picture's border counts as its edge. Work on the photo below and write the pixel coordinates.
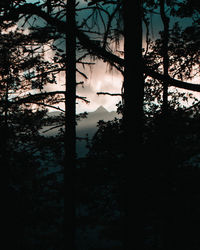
(133, 97)
(70, 123)
(21, 142)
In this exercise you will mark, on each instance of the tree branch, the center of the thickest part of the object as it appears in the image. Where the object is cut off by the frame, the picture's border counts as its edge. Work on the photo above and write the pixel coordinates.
(109, 57)
(40, 96)
(107, 93)
(92, 46)
(171, 81)
(47, 105)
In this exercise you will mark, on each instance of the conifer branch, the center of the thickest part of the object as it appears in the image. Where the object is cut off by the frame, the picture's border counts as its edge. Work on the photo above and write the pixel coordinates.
(91, 45)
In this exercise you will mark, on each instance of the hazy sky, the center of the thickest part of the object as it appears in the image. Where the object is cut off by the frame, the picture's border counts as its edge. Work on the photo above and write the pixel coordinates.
(101, 79)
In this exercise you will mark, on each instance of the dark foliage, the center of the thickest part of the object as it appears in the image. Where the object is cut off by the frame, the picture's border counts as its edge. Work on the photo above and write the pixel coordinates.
(161, 145)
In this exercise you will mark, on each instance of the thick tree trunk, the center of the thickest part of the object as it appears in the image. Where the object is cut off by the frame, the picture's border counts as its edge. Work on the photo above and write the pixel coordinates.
(133, 121)
(70, 125)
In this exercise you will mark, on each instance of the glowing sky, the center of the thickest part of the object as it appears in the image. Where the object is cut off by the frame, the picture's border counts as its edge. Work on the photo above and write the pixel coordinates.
(100, 78)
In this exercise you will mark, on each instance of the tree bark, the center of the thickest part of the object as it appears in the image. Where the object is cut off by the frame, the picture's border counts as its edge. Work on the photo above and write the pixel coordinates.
(133, 121)
(70, 124)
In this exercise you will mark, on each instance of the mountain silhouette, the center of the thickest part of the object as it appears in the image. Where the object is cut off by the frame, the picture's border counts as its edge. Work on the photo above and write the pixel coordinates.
(86, 127)
(89, 124)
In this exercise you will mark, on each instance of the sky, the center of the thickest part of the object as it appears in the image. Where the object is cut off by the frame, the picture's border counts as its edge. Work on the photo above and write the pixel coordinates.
(101, 78)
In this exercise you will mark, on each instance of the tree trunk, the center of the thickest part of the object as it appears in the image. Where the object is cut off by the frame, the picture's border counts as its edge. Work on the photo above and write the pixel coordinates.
(165, 21)
(167, 206)
(133, 121)
(70, 124)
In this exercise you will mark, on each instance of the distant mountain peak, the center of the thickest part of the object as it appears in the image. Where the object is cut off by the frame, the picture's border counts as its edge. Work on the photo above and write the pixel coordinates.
(101, 109)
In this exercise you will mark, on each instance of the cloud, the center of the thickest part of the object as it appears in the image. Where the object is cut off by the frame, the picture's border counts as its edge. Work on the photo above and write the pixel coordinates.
(100, 79)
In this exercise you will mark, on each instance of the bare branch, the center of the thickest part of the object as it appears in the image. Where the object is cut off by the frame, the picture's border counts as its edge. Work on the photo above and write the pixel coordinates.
(47, 105)
(93, 47)
(107, 93)
(54, 127)
(83, 99)
(35, 97)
